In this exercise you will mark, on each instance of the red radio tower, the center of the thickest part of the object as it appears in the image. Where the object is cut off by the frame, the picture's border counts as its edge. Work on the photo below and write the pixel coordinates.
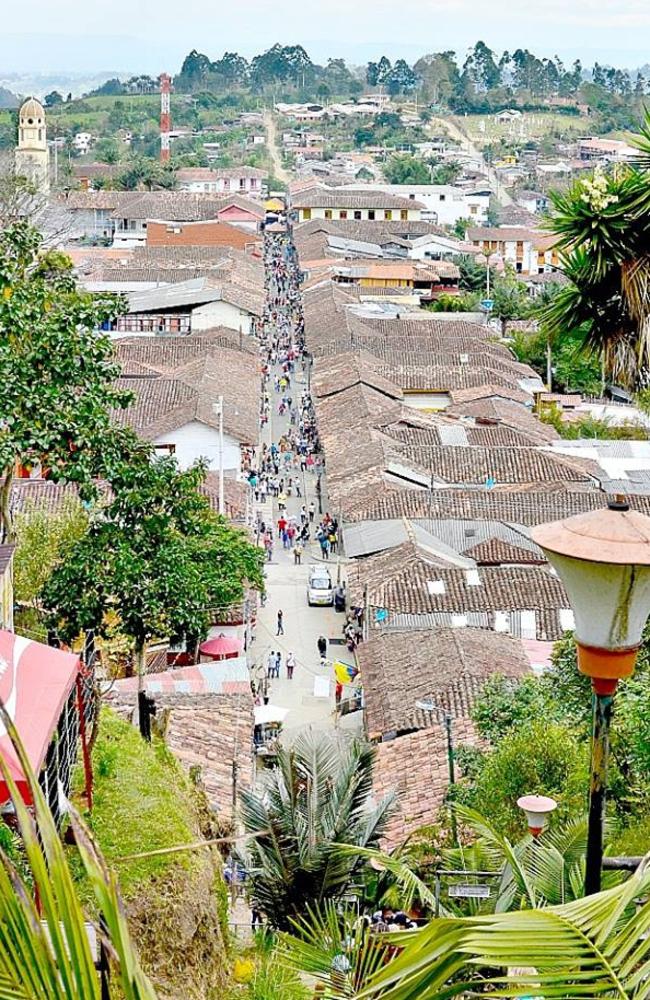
(165, 116)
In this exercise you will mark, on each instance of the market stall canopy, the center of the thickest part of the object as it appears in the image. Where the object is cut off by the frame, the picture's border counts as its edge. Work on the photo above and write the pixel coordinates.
(266, 714)
(35, 682)
(220, 648)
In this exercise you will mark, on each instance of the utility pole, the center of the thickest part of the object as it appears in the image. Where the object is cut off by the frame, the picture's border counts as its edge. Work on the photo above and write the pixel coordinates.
(218, 411)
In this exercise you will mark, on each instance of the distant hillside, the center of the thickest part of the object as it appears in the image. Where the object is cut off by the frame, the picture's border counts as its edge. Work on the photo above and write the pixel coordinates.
(8, 99)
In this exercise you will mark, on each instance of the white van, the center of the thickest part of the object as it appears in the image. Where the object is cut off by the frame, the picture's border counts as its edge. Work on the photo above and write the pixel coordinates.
(319, 586)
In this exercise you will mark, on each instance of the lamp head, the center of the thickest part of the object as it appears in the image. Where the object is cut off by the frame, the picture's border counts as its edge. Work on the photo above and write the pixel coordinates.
(538, 809)
(603, 560)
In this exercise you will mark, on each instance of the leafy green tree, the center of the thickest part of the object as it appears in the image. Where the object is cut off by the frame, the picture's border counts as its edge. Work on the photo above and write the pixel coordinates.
(446, 173)
(56, 370)
(318, 795)
(157, 556)
(536, 757)
(511, 300)
(42, 539)
(194, 71)
(232, 69)
(107, 151)
(440, 76)
(372, 74)
(53, 98)
(402, 168)
(401, 79)
(481, 68)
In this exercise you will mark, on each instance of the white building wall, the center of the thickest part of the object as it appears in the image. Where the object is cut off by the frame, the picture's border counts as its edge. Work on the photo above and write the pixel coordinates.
(218, 313)
(196, 440)
(445, 204)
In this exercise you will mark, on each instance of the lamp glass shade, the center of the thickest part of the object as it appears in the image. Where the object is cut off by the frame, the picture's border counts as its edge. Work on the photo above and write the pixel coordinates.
(610, 601)
(537, 809)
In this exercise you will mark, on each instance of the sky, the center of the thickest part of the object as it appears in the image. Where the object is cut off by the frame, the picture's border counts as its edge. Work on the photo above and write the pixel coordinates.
(154, 35)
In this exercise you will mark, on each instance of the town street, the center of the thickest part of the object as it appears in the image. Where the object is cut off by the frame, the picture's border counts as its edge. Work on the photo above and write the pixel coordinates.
(287, 591)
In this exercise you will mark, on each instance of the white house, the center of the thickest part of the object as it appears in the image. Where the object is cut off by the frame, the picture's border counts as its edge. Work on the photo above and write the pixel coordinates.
(82, 142)
(527, 250)
(445, 204)
(188, 307)
(247, 181)
(177, 409)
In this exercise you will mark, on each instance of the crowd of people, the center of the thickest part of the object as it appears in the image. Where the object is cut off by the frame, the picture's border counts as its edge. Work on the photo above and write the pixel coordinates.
(287, 466)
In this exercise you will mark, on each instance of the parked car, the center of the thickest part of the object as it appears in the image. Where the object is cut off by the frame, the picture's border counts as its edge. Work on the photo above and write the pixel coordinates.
(319, 587)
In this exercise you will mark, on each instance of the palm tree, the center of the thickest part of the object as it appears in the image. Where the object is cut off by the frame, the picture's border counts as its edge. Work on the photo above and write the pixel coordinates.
(603, 229)
(598, 946)
(318, 794)
(44, 949)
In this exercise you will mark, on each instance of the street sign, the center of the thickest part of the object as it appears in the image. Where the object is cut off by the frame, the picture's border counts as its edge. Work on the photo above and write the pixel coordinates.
(487, 304)
(462, 891)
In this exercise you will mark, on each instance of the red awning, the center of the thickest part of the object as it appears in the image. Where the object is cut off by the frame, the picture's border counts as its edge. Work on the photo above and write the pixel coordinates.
(220, 648)
(35, 681)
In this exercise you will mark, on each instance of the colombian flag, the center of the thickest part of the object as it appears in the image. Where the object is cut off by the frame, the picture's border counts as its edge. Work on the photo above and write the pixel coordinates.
(344, 672)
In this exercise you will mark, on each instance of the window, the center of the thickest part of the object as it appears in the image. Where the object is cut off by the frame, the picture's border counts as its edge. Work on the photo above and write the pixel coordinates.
(473, 209)
(404, 214)
(343, 214)
(306, 214)
(443, 197)
(328, 213)
(371, 214)
(388, 215)
(357, 215)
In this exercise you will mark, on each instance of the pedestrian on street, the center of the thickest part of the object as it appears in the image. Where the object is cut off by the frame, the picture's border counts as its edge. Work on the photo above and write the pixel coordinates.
(291, 663)
(312, 511)
(280, 624)
(297, 553)
(322, 646)
(270, 664)
(278, 664)
(324, 547)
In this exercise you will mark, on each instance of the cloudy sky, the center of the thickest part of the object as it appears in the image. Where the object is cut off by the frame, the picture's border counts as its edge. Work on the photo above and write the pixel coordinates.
(152, 35)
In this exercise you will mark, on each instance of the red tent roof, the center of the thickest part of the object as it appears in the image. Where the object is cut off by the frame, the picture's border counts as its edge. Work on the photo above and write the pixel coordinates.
(220, 648)
(35, 681)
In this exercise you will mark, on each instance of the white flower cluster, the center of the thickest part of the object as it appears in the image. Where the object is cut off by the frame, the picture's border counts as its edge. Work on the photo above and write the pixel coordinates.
(595, 193)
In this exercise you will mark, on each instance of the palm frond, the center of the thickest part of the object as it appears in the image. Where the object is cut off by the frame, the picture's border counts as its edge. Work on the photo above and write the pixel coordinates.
(594, 946)
(47, 954)
(337, 949)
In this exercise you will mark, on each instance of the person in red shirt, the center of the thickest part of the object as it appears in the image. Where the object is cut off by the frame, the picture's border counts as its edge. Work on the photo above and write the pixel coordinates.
(282, 523)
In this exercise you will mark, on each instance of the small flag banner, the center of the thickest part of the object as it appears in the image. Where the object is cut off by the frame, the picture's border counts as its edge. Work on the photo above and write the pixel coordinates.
(344, 672)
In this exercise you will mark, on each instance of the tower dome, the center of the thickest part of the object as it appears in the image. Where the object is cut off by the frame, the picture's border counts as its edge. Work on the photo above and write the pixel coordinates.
(32, 111)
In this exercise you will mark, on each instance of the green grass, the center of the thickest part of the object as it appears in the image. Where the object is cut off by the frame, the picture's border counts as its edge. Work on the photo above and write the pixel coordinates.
(142, 802)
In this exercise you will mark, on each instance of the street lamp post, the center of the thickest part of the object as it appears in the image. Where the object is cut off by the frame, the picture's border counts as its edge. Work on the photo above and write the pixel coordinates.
(445, 719)
(603, 560)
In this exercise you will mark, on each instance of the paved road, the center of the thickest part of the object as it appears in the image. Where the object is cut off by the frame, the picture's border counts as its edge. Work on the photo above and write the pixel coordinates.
(287, 590)
(274, 151)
